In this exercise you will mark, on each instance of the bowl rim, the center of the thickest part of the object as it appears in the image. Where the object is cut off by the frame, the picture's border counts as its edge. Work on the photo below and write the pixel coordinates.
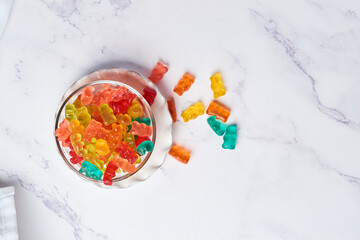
(64, 101)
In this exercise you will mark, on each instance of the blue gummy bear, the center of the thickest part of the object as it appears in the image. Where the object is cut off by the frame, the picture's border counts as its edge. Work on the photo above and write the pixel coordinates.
(147, 121)
(91, 170)
(218, 126)
(145, 146)
(230, 137)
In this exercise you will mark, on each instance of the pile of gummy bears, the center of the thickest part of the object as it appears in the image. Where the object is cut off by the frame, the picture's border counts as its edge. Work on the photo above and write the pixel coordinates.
(106, 131)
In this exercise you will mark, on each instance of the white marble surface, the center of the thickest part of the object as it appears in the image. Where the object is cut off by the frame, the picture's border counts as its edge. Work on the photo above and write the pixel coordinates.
(292, 71)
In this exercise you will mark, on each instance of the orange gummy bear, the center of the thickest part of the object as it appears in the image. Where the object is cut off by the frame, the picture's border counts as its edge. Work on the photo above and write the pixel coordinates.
(140, 129)
(184, 84)
(180, 153)
(87, 95)
(218, 110)
(92, 130)
(124, 164)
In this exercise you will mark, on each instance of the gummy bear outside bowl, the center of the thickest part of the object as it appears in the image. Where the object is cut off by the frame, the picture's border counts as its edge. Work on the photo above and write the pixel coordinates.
(158, 113)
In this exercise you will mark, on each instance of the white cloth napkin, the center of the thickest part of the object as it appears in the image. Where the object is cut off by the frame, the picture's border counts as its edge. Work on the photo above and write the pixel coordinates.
(5, 7)
(8, 225)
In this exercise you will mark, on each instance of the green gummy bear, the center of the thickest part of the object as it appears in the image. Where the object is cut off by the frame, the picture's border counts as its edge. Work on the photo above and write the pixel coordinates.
(216, 125)
(90, 170)
(145, 146)
(230, 137)
(70, 112)
(83, 116)
(147, 121)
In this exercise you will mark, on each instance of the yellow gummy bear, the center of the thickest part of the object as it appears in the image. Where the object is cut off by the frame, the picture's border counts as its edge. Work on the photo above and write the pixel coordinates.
(217, 85)
(101, 147)
(135, 110)
(77, 144)
(130, 140)
(70, 112)
(123, 119)
(76, 127)
(193, 111)
(83, 116)
(107, 114)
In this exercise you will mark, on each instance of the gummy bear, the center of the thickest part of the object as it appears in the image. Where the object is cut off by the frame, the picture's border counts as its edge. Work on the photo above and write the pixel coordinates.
(135, 110)
(193, 111)
(147, 121)
(158, 72)
(101, 147)
(141, 129)
(217, 85)
(184, 84)
(216, 125)
(75, 159)
(180, 153)
(141, 139)
(83, 116)
(92, 130)
(90, 170)
(149, 95)
(126, 152)
(130, 140)
(123, 164)
(219, 110)
(115, 136)
(123, 119)
(121, 106)
(146, 146)
(172, 109)
(77, 103)
(76, 127)
(122, 93)
(230, 137)
(77, 144)
(63, 132)
(110, 172)
(70, 112)
(87, 95)
(107, 114)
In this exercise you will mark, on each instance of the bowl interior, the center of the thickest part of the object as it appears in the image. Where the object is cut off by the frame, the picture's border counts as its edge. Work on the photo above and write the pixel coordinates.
(99, 86)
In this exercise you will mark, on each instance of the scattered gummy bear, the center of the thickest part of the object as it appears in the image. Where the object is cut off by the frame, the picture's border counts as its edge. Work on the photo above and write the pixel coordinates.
(217, 85)
(193, 111)
(216, 125)
(172, 108)
(180, 153)
(230, 137)
(219, 110)
(184, 84)
(158, 72)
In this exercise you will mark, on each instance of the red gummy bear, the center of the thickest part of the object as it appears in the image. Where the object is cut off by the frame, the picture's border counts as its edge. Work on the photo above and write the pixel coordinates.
(75, 159)
(158, 72)
(149, 95)
(109, 173)
(127, 152)
(120, 107)
(140, 140)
